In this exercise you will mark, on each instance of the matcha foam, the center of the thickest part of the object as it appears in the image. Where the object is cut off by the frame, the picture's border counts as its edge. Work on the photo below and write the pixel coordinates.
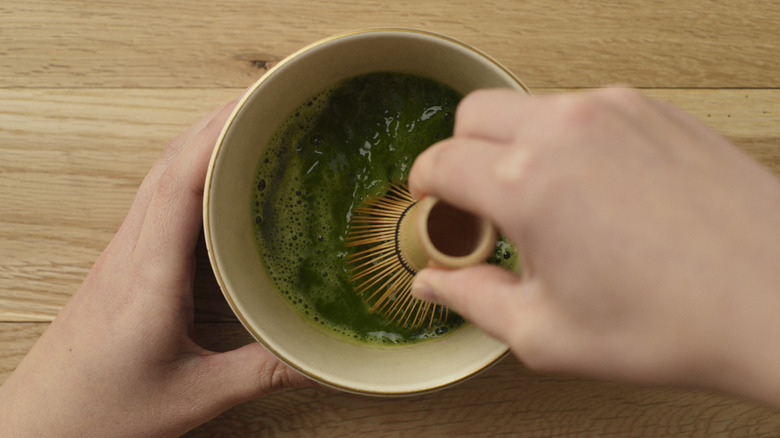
(339, 147)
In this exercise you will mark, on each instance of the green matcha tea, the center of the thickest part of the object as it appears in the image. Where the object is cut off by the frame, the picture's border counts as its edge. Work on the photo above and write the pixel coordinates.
(339, 147)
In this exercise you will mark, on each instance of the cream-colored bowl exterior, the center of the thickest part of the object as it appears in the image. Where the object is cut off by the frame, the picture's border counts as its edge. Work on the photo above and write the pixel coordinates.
(319, 354)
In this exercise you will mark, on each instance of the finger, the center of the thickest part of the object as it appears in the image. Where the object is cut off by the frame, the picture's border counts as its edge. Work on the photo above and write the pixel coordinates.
(492, 298)
(513, 310)
(131, 226)
(493, 114)
(173, 218)
(247, 373)
(471, 174)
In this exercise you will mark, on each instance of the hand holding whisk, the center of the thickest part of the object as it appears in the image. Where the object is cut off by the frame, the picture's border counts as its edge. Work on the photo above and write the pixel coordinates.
(403, 236)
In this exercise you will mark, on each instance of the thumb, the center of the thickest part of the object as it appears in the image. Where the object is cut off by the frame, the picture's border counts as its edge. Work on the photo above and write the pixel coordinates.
(247, 373)
(488, 296)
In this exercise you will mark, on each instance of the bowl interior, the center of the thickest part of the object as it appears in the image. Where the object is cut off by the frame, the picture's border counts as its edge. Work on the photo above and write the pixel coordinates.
(301, 344)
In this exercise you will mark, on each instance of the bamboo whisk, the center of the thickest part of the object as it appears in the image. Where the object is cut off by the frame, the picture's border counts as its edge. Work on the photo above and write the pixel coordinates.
(401, 236)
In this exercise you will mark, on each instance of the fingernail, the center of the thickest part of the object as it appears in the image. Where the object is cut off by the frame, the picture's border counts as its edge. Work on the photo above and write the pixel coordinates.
(424, 292)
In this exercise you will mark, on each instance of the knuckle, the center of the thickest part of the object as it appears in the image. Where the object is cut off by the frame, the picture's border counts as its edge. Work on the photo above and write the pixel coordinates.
(473, 102)
(171, 150)
(169, 184)
(473, 107)
(584, 111)
(515, 168)
(215, 125)
(535, 353)
(520, 180)
(620, 94)
(580, 111)
(421, 176)
(622, 100)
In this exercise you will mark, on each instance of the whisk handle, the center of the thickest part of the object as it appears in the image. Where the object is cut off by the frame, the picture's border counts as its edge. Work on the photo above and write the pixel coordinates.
(447, 236)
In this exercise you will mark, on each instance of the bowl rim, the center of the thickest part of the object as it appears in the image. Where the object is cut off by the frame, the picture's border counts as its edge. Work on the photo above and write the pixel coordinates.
(248, 93)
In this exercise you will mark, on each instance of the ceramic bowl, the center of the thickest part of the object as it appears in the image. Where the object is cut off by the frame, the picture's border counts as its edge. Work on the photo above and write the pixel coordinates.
(328, 358)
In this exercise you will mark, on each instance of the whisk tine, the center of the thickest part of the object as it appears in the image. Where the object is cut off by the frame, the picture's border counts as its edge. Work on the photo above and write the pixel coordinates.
(362, 235)
(375, 227)
(379, 272)
(364, 241)
(390, 289)
(408, 310)
(405, 303)
(417, 315)
(401, 291)
(379, 250)
(377, 217)
(379, 266)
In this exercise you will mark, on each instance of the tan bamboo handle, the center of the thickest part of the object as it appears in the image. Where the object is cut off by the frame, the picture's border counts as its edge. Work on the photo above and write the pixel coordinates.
(437, 234)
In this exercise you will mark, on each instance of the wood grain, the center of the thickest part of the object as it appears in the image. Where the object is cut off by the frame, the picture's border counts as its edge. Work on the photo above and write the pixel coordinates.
(151, 43)
(504, 400)
(73, 159)
(90, 92)
(80, 154)
(507, 400)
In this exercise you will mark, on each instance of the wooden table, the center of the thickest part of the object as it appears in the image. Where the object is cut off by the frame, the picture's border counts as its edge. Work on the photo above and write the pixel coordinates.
(90, 92)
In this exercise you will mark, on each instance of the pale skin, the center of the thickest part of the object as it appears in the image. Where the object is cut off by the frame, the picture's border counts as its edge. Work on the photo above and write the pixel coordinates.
(651, 243)
(120, 358)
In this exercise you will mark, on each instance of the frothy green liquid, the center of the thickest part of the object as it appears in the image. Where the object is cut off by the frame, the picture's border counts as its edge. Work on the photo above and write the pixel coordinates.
(335, 150)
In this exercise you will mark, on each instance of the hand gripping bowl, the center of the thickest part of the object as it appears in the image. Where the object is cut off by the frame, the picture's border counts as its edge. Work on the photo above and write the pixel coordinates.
(261, 308)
